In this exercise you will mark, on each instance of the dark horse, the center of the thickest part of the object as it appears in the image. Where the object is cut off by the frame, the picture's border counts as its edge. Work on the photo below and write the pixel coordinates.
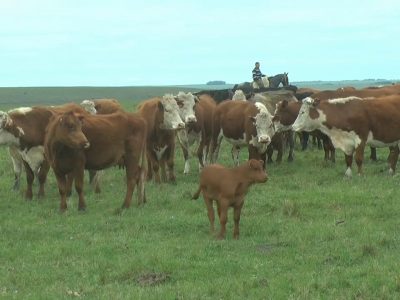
(274, 82)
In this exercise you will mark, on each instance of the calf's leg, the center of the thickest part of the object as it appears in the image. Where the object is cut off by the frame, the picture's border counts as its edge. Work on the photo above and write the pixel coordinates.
(236, 216)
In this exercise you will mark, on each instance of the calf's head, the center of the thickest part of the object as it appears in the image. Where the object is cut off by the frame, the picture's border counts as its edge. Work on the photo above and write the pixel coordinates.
(68, 131)
(170, 111)
(256, 172)
(186, 103)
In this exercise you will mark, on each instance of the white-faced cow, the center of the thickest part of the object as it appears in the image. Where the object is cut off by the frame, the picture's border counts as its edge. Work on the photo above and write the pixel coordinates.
(242, 124)
(162, 118)
(352, 123)
(198, 131)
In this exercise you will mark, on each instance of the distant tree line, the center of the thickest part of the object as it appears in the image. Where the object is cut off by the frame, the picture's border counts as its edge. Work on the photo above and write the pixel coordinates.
(216, 82)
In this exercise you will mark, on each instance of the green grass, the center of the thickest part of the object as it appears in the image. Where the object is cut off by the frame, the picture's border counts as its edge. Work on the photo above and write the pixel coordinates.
(307, 233)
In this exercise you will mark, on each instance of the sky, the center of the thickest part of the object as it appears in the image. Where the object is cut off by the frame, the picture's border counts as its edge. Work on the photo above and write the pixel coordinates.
(136, 43)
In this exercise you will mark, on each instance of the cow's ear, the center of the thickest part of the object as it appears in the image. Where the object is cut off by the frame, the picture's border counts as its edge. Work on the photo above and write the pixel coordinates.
(160, 106)
(196, 99)
(316, 102)
(253, 164)
(284, 103)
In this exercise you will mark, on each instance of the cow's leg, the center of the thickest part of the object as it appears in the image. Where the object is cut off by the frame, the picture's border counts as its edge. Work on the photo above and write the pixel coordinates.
(216, 138)
(349, 162)
(68, 185)
(170, 156)
(373, 156)
(30, 176)
(279, 149)
(393, 157)
(223, 217)
(94, 180)
(235, 154)
(326, 148)
(304, 140)
(359, 156)
(42, 176)
(154, 166)
(236, 216)
(17, 166)
(200, 153)
(270, 152)
(79, 176)
(184, 143)
(62, 188)
(290, 136)
(210, 212)
(332, 151)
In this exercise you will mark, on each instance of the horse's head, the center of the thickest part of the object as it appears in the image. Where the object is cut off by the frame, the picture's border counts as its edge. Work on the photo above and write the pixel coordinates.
(285, 79)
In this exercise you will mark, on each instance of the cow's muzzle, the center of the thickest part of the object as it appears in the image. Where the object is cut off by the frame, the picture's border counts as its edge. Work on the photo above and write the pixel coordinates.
(264, 139)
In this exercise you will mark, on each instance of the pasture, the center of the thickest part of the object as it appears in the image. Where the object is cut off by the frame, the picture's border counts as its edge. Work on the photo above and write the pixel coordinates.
(307, 233)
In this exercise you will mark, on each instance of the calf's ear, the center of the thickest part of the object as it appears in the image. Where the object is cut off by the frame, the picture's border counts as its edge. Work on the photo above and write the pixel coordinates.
(196, 99)
(253, 163)
(284, 103)
(316, 102)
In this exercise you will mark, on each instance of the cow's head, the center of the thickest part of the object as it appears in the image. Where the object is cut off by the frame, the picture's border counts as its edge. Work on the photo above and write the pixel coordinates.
(5, 120)
(263, 124)
(307, 119)
(281, 116)
(89, 106)
(170, 111)
(256, 171)
(69, 131)
(186, 103)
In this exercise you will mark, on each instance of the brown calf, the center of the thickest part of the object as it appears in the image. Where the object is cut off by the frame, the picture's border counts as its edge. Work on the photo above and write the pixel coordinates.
(228, 187)
(76, 142)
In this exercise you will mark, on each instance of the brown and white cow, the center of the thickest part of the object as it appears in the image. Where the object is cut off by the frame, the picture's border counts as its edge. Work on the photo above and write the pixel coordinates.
(162, 118)
(284, 117)
(75, 142)
(198, 131)
(23, 130)
(352, 123)
(242, 124)
(228, 187)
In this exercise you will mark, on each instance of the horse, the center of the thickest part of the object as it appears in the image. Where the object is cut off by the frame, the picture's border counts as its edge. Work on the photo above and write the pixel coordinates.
(274, 82)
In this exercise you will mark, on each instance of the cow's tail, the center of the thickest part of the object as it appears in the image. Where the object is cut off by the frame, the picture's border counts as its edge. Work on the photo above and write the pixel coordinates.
(197, 194)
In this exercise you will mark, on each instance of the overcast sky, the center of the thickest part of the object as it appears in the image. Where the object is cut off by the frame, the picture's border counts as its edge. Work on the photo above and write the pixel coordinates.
(114, 43)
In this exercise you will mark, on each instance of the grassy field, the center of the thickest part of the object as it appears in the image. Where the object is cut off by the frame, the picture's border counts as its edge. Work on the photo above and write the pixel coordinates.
(305, 234)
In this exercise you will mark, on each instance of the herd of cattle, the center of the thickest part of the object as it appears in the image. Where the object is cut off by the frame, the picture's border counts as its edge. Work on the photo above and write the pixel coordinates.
(97, 134)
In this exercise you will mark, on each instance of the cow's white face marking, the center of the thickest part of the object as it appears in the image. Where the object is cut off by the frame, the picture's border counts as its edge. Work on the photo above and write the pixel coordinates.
(239, 96)
(304, 122)
(343, 100)
(20, 110)
(89, 106)
(34, 157)
(160, 151)
(186, 103)
(172, 120)
(264, 125)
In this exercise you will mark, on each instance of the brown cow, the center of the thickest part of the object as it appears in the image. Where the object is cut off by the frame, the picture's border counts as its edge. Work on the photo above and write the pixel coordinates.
(162, 118)
(352, 123)
(76, 142)
(242, 123)
(228, 187)
(23, 130)
(199, 131)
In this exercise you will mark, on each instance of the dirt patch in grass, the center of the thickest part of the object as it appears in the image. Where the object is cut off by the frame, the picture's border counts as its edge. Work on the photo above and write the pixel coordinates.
(152, 279)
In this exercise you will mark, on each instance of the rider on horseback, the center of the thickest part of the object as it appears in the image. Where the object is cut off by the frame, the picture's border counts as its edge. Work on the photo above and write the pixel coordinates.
(257, 75)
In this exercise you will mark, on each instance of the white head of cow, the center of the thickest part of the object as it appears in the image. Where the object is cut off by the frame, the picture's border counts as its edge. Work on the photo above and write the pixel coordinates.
(264, 125)
(239, 96)
(5, 120)
(170, 109)
(303, 121)
(89, 106)
(186, 103)
(6, 137)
